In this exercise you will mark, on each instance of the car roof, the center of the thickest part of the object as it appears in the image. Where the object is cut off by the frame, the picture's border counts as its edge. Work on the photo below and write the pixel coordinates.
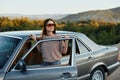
(25, 33)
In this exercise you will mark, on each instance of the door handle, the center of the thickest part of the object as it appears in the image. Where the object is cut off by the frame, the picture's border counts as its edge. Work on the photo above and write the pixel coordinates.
(67, 75)
(89, 58)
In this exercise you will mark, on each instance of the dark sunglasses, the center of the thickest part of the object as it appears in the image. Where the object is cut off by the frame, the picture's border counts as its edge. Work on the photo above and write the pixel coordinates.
(49, 25)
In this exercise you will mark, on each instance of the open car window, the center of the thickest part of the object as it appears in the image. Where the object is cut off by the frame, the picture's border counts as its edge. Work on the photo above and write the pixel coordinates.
(34, 56)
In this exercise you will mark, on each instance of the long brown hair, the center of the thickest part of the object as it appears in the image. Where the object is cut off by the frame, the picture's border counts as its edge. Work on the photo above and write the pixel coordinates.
(44, 32)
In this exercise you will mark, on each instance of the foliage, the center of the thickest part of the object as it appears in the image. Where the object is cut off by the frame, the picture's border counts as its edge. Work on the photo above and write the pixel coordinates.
(106, 34)
(101, 32)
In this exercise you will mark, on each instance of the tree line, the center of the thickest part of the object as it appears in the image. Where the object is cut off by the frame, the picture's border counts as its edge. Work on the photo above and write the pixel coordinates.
(101, 32)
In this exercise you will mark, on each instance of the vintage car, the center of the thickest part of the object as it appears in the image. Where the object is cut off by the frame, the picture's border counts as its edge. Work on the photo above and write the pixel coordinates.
(21, 60)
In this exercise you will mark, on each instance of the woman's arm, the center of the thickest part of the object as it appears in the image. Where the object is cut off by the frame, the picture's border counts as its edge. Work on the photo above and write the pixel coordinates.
(32, 36)
(64, 46)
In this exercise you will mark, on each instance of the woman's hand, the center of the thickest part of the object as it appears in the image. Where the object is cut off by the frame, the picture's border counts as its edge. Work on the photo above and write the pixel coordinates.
(33, 37)
(66, 41)
(66, 36)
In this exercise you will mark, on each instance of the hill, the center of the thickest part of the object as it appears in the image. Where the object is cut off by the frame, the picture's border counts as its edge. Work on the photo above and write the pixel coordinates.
(109, 15)
(41, 16)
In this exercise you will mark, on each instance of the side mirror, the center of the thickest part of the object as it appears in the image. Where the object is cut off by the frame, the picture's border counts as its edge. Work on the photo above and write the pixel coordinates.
(21, 66)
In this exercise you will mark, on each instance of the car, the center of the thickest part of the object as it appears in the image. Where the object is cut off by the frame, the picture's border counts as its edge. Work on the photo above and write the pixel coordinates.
(21, 60)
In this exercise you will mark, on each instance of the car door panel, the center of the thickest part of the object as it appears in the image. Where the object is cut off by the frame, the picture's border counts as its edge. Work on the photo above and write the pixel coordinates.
(84, 62)
(48, 73)
(84, 59)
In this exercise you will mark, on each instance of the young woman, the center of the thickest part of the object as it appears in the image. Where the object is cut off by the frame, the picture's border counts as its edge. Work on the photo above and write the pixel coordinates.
(51, 51)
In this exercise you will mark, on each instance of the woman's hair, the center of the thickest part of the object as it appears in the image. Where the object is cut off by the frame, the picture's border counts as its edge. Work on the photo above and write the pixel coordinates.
(44, 32)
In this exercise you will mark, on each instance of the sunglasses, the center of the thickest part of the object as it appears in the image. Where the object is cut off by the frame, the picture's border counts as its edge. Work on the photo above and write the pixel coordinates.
(50, 25)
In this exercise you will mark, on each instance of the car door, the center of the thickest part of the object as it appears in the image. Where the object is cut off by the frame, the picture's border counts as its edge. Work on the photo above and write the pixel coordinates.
(48, 73)
(37, 72)
(84, 59)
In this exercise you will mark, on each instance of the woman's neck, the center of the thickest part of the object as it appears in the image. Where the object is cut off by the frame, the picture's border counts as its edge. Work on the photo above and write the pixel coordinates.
(50, 34)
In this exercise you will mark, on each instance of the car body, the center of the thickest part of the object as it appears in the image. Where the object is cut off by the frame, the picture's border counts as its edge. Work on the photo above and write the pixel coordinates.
(85, 59)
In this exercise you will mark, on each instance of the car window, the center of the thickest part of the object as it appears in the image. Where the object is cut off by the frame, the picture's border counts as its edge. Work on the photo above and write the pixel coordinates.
(82, 48)
(26, 46)
(7, 46)
(35, 55)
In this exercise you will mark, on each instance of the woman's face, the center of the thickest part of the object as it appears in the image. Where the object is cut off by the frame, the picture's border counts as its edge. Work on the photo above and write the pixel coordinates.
(50, 26)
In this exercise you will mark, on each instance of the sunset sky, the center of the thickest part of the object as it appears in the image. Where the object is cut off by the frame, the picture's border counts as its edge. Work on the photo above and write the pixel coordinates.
(54, 6)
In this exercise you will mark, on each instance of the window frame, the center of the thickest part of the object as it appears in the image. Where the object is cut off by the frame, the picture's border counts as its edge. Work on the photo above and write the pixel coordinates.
(40, 41)
(83, 44)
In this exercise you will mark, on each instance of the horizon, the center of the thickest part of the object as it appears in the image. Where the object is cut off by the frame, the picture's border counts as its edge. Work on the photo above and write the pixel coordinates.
(40, 7)
(54, 13)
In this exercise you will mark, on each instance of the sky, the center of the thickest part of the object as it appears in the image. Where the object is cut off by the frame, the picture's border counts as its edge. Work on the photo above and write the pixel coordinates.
(37, 7)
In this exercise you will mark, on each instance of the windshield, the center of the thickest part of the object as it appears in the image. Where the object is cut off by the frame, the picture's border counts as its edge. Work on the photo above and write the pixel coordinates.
(7, 46)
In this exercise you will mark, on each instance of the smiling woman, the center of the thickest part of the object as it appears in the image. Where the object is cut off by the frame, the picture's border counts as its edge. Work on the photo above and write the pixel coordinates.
(51, 56)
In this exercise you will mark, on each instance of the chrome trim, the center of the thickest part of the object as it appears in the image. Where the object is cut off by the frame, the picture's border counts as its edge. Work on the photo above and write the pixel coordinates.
(84, 76)
(73, 52)
(12, 36)
(41, 67)
(114, 65)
